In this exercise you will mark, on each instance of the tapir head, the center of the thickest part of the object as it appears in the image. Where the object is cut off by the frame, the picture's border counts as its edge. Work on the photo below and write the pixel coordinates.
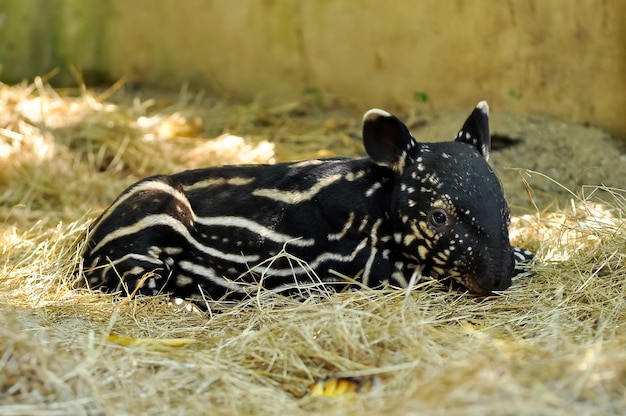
(449, 210)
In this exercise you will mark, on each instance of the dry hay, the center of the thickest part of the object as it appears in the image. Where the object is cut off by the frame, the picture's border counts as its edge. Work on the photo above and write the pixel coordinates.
(551, 344)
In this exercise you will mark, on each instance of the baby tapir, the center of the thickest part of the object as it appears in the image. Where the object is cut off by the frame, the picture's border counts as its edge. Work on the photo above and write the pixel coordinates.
(409, 209)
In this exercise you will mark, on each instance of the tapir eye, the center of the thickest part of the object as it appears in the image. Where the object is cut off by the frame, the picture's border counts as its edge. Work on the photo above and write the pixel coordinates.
(438, 217)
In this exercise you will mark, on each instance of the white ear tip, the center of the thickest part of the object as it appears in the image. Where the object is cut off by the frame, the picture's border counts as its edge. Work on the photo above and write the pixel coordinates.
(483, 106)
(375, 113)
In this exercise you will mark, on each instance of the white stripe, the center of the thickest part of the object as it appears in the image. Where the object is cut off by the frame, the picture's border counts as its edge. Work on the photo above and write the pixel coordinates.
(368, 267)
(155, 185)
(354, 176)
(398, 275)
(178, 227)
(295, 197)
(370, 261)
(135, 256)
(140, 257)
(236, 181)
(208, 273)
(373, 189)
(255, 227)
(322, 258)
(344, 230)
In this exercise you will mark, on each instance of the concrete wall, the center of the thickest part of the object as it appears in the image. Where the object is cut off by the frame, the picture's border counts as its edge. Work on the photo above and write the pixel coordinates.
(562, 57)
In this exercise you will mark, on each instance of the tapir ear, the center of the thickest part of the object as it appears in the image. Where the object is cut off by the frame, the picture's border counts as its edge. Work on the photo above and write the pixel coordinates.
(386, 139)
(475, 131)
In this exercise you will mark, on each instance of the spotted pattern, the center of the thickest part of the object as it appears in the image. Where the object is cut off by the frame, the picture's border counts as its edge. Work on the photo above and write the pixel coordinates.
(408, 210)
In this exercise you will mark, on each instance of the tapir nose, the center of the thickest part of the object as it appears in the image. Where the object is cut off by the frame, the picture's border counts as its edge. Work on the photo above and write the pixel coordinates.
(498, 271)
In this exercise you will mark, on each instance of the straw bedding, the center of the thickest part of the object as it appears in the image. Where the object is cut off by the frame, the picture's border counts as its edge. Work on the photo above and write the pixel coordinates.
(551, 344)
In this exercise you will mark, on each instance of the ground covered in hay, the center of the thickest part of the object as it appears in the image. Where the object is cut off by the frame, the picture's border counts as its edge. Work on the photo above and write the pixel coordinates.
(551, 344)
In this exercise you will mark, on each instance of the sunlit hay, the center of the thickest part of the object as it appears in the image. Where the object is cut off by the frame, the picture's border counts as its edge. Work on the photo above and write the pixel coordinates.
(589, 233)
(60, 154)
(553, 343)
(229, 150)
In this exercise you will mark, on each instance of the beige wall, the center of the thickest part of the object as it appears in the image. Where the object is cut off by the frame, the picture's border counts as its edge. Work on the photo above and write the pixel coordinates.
(564, 57)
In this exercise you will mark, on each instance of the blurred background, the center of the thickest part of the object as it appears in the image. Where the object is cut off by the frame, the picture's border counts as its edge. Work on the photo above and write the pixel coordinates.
(563, 58)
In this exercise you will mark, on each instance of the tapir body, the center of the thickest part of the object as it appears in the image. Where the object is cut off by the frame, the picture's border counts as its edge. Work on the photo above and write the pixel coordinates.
(408, 209)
